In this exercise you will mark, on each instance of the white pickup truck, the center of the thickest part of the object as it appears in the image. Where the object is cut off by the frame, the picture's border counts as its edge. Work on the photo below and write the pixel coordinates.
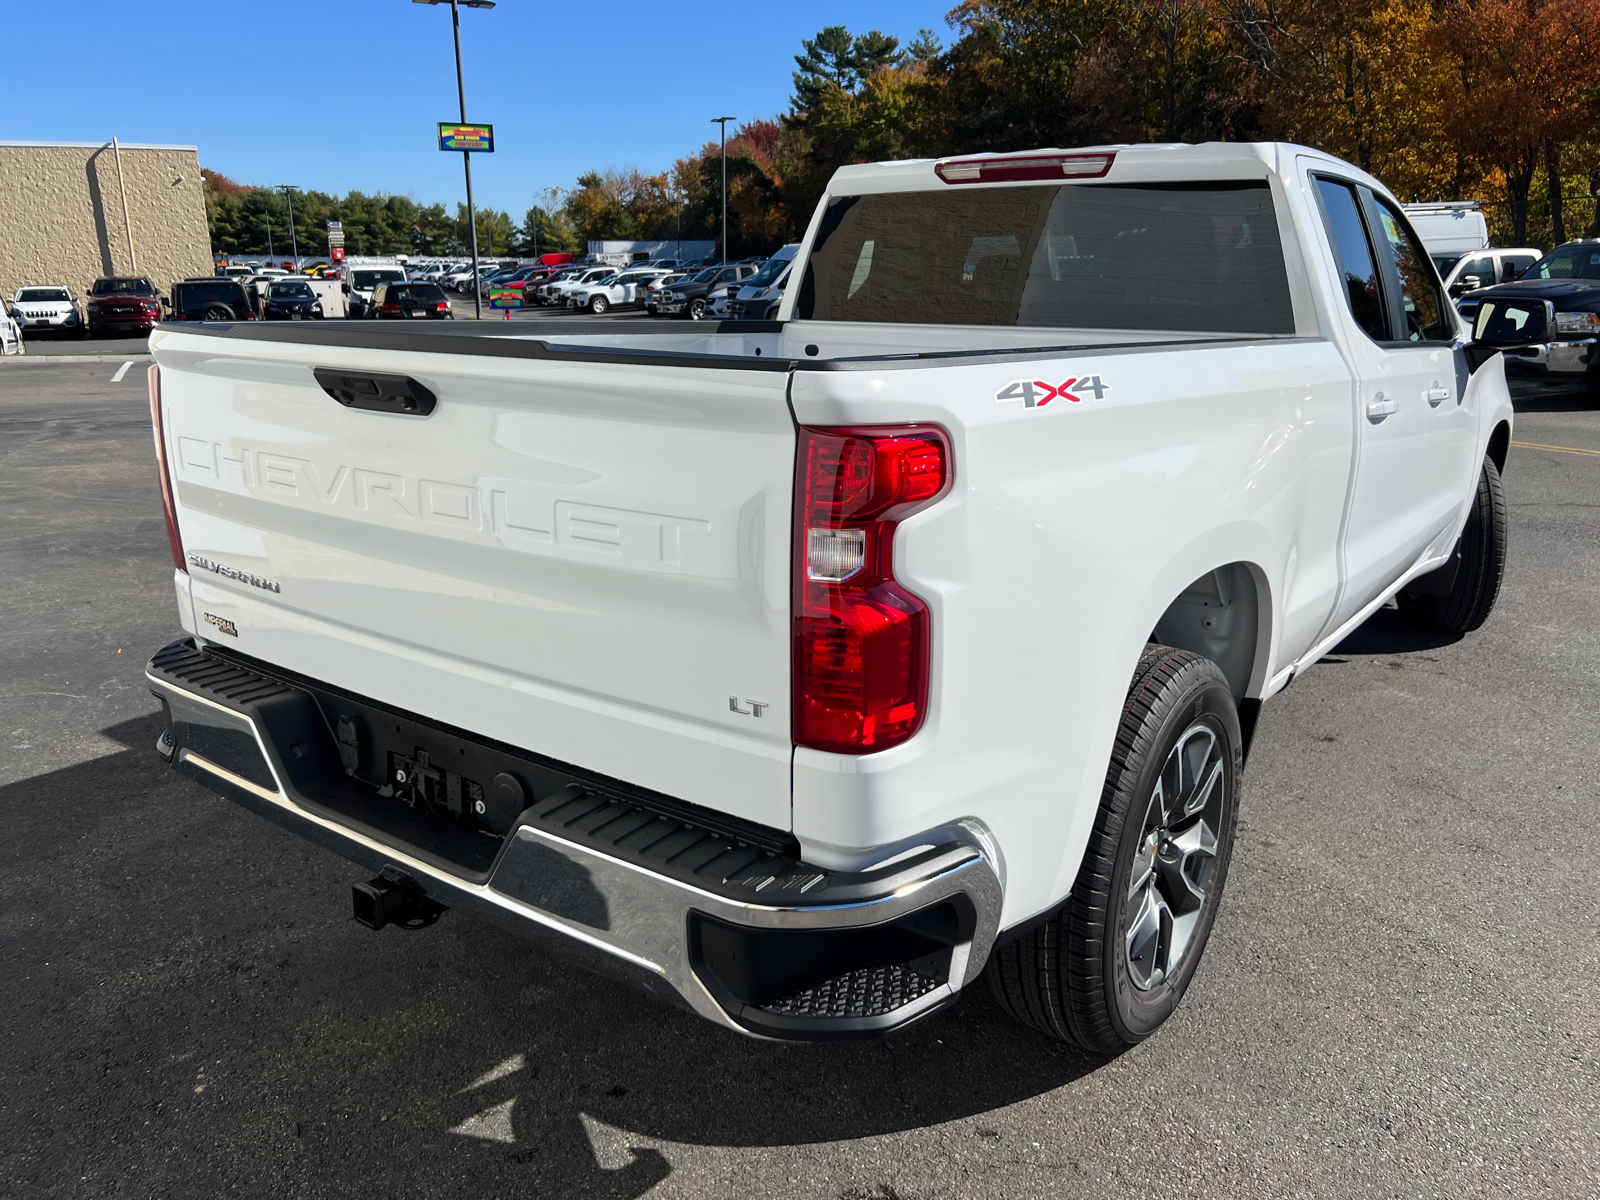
(802, 671)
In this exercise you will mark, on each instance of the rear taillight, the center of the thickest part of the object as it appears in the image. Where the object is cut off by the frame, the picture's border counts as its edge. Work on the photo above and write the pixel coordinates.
(442, 306)
(861, 641)
(166, 475)
(391, 308)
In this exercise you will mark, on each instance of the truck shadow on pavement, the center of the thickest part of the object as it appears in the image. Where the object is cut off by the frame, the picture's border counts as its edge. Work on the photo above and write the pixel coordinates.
(1537, 398)
(1387, 632)
(197, 984)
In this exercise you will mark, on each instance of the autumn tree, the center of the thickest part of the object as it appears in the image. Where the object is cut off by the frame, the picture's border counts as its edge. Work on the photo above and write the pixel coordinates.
(1526, 72)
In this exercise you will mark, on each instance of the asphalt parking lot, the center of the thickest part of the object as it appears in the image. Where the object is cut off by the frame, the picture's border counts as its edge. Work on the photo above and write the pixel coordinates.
(1401, 997)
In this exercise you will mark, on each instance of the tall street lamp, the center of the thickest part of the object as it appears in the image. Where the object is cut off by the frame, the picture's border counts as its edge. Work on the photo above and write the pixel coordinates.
(288, 190)
(466, 158)
(723, 121)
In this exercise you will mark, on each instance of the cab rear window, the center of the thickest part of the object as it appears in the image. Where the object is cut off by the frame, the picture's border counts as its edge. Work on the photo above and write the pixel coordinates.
(1173, 256)
(416, 292)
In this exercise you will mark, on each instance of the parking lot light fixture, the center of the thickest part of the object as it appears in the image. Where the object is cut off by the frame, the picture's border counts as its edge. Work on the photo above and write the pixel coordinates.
(466, 156)
(723, 121)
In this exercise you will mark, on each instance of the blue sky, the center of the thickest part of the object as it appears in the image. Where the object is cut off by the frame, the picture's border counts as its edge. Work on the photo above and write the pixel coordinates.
(631, 84)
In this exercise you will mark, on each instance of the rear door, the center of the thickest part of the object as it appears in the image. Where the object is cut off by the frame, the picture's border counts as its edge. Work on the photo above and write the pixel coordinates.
(582, 555)
(1414, 434)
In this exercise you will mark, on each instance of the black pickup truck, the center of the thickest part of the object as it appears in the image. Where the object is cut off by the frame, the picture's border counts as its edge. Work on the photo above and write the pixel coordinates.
(1547, 324)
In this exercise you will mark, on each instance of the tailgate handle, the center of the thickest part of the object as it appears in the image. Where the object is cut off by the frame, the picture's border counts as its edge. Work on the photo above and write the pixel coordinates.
(376, 392)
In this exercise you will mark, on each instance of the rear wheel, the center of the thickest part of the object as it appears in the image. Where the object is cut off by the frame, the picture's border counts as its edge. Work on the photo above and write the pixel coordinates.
(1479, 564)
(1109, 966)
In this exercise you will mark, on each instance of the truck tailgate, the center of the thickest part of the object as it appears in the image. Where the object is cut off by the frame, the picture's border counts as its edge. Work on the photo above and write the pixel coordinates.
(584, 555)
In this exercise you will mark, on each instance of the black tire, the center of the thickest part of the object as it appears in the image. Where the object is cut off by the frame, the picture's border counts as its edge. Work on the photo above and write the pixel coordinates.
(697, 310)
(216, 312)
(1481, 551)
(1074, 977)
(598, 305)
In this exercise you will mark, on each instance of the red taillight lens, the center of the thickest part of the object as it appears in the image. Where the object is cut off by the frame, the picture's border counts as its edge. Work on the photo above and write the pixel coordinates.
(1024, 167)
(167, 502)
(442, 306)
(861, 641)
(391, 308)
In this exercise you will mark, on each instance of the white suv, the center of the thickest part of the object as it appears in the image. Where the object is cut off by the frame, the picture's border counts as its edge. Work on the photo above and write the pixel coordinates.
(49, 308)
(623, 288)
(556, 293)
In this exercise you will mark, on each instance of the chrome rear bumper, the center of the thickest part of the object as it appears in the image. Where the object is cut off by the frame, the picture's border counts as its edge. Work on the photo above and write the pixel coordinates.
(799, 953)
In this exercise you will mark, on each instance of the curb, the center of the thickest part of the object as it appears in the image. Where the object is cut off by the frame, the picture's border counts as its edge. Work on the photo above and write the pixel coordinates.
(119, 359)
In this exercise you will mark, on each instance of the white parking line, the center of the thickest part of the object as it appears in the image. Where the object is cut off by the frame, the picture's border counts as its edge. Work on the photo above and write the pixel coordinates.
(121, 371)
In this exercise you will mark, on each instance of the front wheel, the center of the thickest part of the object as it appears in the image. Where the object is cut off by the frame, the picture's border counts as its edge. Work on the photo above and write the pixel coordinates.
(1479, 564)
(598, 304)
(697, 310)
(1109, 966)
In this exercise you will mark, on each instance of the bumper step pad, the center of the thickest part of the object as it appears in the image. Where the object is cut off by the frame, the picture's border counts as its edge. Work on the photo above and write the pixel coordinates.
(870, 991)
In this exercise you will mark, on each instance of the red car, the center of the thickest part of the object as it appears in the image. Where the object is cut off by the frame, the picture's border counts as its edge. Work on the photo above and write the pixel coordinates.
(529, 277)
(535, 273)
(122, 304)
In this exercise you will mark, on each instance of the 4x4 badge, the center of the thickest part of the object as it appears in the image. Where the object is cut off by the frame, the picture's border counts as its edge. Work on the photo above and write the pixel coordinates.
(1036, 393)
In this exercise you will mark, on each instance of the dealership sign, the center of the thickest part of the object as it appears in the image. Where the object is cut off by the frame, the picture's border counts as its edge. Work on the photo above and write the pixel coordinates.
(474, 138)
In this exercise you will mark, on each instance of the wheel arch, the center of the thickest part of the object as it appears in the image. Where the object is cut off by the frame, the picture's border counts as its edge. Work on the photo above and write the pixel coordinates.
(1224, 614)
(1499, 445)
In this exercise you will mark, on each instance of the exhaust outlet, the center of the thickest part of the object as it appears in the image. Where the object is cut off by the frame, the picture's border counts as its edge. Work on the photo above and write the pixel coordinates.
(384, 902)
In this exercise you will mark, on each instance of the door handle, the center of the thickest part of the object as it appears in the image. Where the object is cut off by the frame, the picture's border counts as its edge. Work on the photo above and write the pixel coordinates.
(1378, 408)
(1436, 395)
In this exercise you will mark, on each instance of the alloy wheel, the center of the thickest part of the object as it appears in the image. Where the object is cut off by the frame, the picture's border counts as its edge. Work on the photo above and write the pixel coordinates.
(1172, 867)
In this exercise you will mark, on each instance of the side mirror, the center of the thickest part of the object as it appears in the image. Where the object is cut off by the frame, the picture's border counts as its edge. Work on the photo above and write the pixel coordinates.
(166, 302)
(1472, 282)
(345, 288)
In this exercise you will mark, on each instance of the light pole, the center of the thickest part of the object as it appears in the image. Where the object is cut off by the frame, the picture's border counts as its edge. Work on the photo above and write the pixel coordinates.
(466, 156)
(723, 121)
(267, 217)
(288, 191)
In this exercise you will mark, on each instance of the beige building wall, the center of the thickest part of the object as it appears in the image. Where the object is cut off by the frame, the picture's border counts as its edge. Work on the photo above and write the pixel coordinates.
(61, 214)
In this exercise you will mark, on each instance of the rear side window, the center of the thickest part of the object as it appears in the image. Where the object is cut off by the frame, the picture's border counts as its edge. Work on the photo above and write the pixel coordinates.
(1202, 257)
(1569, 262)
(1512, 268)
(1356, 266)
